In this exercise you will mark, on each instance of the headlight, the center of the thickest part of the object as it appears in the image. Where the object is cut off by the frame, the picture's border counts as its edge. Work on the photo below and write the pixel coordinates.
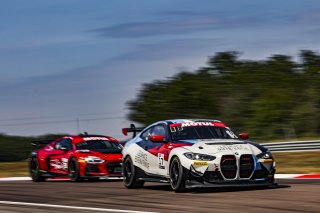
(265, 155)
(92, 159)
(197, 156)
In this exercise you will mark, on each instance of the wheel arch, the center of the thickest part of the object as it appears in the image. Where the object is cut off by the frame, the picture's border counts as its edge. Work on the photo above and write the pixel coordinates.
(124, 157)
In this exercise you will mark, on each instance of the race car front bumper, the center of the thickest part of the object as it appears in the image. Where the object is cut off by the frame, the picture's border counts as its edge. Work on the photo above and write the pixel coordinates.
(195, 184)
(259, 177)
(110, 169)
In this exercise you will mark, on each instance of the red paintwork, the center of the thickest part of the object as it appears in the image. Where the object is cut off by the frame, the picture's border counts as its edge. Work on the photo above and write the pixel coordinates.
(309, 176)
(48, 155)
(166, 149)
(244, 136)
(157, 138)
(124, 131)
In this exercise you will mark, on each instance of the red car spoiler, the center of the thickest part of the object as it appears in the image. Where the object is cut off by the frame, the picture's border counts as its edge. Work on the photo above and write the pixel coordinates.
(133, 129)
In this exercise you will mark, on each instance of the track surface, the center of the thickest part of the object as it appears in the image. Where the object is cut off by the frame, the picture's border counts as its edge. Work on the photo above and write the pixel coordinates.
(289, 196)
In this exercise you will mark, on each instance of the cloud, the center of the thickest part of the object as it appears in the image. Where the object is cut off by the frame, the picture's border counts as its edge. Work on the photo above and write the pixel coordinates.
(175, 22)
(174, 48)
(156, 28)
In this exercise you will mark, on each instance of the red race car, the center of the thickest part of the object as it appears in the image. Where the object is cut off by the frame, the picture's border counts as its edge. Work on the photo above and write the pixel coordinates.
(77, 157)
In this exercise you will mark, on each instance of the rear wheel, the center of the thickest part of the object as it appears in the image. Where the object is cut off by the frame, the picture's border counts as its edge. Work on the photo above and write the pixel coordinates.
(35, 173)
(177, 176)
(74, 173)
(131, 174)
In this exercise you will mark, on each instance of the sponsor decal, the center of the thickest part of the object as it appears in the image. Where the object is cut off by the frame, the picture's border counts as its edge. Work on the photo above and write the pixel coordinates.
(176, 128)
(95, 139)
(142, 159)
(200, 163)
(231, 134)
(179, 126)
(55, 163)
(161, 160)
(187, 124)
(233, 147)
(64, 162)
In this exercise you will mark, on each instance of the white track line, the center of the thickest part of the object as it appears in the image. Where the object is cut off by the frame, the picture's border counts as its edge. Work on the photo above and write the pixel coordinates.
(286, 176)
(69, 207)
(15, 178)
(28, 178)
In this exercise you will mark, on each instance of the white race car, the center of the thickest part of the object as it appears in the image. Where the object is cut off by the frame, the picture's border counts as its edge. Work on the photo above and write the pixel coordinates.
(194, 153)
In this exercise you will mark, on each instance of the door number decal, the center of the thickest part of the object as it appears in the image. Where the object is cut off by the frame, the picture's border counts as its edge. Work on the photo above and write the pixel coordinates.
(161, 161)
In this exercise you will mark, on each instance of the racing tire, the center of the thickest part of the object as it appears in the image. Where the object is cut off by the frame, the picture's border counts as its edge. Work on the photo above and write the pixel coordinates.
(131, 174)
(272, 182)
(74, 173)
(35, 173)
(177, 175)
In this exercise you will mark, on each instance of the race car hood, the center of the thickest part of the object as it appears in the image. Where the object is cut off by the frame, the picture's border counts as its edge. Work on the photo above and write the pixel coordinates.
(222, 146)
(104, 156)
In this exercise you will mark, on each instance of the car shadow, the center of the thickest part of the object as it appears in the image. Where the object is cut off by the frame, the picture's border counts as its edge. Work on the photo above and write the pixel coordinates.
(66, 180)
(160, 187)
(216, 189)
(236, 189)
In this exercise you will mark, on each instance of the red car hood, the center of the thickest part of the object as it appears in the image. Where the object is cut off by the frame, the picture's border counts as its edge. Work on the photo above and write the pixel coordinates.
(104, 156)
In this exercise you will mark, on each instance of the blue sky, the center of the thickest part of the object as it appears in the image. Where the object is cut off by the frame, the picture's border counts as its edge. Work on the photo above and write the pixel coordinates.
(68, 60)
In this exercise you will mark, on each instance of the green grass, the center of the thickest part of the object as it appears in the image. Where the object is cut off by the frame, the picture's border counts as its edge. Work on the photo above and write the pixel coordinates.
(297, 162)
(14, 169)
(293, 162)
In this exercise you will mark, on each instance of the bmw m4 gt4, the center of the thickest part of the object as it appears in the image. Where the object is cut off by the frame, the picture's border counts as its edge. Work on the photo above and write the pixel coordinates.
(194, 153)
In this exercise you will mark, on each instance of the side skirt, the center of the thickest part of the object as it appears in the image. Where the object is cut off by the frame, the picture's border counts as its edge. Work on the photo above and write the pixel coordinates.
(158, 180)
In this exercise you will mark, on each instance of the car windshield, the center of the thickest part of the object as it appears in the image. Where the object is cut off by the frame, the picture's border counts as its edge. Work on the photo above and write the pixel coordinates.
(201, 130)
(102, 146)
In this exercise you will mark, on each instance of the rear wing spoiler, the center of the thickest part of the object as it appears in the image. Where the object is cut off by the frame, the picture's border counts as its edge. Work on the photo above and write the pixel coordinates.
(39, 143)
(133, 129)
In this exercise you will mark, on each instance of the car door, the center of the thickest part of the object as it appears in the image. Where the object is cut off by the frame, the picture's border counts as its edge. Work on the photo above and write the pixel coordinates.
(158, 157)
(59, 157)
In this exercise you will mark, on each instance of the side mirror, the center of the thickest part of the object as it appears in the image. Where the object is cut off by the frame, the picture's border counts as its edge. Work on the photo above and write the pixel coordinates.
(244, 136)
(157, 138)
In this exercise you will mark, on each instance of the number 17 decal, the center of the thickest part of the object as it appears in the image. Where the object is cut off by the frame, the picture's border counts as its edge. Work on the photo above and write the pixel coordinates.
(161, 161)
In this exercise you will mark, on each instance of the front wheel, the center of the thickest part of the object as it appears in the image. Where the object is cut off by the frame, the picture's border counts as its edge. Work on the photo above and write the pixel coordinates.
(131, 174)
(177, 175)
(34, 170)
(74, 173)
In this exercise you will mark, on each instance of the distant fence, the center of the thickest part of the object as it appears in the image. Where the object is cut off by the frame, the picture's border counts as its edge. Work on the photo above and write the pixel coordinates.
(293, 146)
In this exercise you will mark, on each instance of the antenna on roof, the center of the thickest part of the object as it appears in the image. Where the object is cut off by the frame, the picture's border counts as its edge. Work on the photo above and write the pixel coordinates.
(83, 134)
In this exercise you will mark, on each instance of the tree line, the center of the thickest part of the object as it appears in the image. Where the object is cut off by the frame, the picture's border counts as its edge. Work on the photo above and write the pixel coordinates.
(17, 148)
(275, 98)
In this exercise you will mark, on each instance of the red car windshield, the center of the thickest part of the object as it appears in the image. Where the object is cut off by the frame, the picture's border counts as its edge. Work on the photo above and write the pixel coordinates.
(102, 146)
(200, 130)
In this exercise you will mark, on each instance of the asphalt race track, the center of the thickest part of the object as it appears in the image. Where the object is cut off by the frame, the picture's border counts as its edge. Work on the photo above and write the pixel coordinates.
(111, 196)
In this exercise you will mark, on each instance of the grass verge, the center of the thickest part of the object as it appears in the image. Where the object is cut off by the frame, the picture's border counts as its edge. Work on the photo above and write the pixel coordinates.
(14, 169)
(297, 162)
